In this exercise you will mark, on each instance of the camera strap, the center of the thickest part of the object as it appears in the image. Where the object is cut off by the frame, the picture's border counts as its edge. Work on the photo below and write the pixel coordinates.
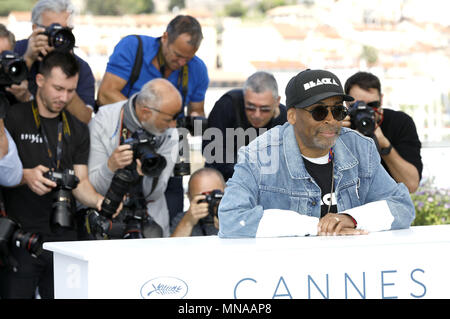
(183, 78)
(63, 128)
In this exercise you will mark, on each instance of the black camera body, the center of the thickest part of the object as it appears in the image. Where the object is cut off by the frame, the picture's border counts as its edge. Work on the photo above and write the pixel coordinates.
(191, 122)
(144, 148)
(13, 69)
(362, 118)
(63, 202)
(59, 37)
(213, 199)
(11, 234)
(152, 164)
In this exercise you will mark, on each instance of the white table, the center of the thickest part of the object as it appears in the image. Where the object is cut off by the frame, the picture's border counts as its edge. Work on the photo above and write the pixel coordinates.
(410, 263)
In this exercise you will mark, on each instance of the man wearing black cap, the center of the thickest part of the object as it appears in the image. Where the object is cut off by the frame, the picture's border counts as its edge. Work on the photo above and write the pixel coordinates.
(310, 176)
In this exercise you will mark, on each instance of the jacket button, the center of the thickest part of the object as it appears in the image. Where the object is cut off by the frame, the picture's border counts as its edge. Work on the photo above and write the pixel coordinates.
(314, 203)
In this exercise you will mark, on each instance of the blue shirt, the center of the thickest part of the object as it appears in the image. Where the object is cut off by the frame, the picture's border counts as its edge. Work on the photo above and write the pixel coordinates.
(10, 165)
(271, 174)
(122, 60)
(86, 82)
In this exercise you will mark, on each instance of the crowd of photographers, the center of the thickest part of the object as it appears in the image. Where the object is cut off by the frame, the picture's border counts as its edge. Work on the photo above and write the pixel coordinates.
(68, 175)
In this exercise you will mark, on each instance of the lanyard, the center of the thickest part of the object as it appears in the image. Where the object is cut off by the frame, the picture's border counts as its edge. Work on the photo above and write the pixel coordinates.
(183, 78)
(63, 128)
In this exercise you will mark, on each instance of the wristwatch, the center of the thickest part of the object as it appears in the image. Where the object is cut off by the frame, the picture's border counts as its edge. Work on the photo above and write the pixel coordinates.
(386, 150)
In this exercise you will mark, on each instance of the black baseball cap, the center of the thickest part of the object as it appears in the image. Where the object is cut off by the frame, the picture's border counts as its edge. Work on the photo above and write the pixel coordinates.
(311, 86)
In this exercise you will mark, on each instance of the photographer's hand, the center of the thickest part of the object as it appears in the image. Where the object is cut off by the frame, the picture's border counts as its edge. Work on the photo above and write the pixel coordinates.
(20, 91)
(190, 219)
(121, 157)
(37, 44)
(34, 178)
(346, 121)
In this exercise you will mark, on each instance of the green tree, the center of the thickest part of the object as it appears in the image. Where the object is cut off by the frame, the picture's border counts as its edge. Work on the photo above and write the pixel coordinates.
(6, 6)
(235, 9)
(370, 54)
(265, 5)
(176, 3)
(119, 7)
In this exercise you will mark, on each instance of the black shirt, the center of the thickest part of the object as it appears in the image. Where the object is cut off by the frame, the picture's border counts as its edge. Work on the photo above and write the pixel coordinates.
(29, 209)
(229, 112)
(400, 130)
(322, 175)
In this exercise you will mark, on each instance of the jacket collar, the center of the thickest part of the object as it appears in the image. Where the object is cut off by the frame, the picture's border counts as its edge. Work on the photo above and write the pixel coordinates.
(343, 158)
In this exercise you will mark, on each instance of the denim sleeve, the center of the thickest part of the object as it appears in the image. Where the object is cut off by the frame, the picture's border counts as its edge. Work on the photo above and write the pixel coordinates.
(10, 165)
(383, 187)
(239, 213)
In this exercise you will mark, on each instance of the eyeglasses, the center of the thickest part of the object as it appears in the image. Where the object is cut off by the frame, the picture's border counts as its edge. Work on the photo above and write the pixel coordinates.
(263, 109)
(373, 104)
(319, 113)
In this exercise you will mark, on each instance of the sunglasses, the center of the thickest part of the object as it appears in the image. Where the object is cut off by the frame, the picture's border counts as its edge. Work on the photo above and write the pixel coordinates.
(373, 104)
(263, 109)
(319, 113)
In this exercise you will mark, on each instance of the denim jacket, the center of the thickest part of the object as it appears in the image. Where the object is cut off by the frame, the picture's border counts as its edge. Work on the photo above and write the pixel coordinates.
(270, 174)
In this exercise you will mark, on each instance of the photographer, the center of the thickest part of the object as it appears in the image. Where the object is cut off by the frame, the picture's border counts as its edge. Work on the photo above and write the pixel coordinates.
(14, 92)
(394, 131)
(50, 142)
(201, 217)
(255, 108)
(154, 108)
(44, 14)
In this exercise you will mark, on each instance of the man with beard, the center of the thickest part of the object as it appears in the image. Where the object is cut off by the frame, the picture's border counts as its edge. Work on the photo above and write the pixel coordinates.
(48, 138)
(153, 109)
(310, 176)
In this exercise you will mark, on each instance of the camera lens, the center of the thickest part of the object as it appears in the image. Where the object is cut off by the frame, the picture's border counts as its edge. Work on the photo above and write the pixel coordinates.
(120, 184)
(62, 39)
(61, 216)
(28, 241)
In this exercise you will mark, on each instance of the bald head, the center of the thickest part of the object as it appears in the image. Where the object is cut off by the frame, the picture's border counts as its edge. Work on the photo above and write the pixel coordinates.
(160, 94)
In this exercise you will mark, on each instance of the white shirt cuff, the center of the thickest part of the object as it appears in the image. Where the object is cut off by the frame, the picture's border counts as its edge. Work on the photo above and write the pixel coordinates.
(374, 216)
(283, 223)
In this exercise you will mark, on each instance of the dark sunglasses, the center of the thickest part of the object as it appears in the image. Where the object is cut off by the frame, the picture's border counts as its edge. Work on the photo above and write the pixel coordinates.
(373, 104)
(319, 113)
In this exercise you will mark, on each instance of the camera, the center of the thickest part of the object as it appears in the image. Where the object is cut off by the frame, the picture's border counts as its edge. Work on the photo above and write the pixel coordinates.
(144, 148)
(152, 164)
(63, 201)
(193, 124)
(59, 37)
(362, 118)
(13, 68)
(11, 234)
(213, 199)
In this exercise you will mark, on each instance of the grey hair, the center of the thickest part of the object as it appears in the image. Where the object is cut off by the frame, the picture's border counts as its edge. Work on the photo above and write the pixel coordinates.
(149, 96)
(260, 82)
(57, 6)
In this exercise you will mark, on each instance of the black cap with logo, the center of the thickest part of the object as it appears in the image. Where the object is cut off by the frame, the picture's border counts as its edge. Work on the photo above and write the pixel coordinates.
(311, 86)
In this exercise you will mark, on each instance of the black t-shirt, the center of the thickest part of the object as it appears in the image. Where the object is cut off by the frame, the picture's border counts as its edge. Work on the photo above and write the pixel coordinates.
(29, 209)
(322, 175)
(400, 130)
(229, 112)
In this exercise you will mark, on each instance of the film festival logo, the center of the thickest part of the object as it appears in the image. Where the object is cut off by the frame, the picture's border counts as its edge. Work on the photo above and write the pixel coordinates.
(264, 152)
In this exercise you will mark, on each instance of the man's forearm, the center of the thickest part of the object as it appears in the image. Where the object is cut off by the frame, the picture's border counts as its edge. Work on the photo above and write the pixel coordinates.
(79, 109)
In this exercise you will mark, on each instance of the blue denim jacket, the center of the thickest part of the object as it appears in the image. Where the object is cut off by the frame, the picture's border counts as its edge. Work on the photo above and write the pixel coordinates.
(270, 173)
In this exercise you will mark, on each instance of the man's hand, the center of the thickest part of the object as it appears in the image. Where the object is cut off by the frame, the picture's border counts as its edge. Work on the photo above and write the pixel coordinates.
(337, 224)
(346, 121)
(20, 91)
(197, 210)
(37, 44)
(121, 157)
(34, 178)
